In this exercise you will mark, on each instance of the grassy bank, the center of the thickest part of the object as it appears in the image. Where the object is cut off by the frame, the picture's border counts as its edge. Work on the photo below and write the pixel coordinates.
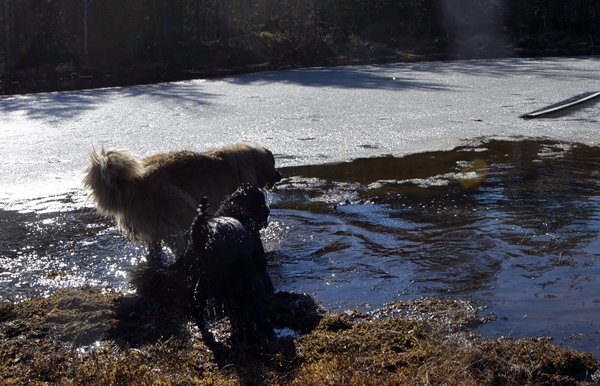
(83, 336)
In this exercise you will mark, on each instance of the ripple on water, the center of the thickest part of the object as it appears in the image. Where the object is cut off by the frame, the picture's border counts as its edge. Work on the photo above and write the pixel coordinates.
(517, 238)
(57, 242)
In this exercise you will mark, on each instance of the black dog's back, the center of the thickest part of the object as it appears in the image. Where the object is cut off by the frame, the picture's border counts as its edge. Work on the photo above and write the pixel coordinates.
(228, 257)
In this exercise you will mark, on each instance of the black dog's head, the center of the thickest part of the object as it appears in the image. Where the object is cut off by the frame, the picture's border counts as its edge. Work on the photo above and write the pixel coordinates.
(247, 205)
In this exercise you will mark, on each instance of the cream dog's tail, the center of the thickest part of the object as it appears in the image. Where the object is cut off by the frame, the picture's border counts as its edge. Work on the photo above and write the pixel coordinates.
(110, 177)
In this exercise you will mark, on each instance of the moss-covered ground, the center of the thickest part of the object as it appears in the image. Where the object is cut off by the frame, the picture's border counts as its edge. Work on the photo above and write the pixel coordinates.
(82, 336)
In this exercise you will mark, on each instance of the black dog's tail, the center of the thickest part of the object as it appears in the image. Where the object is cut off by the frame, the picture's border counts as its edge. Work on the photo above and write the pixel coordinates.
(199, 235)
(204, 204)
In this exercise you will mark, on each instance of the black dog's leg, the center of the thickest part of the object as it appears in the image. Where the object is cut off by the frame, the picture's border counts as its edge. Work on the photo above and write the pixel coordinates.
(198, 291)
(259, 261)
(154, 255)
(199, 300)
(263, 324)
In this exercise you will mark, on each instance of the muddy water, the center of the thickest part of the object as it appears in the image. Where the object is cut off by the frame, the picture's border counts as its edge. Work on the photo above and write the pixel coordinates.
(512, 224)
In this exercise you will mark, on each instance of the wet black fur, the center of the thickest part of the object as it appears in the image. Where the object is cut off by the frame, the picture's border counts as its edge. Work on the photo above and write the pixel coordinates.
(227, 264)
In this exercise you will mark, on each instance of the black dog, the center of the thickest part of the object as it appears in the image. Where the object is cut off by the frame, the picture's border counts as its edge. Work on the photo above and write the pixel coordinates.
(226, 261)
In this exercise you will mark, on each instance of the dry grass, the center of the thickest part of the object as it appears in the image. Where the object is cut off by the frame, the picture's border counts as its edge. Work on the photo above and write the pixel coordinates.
(81, 336)
(401, 351)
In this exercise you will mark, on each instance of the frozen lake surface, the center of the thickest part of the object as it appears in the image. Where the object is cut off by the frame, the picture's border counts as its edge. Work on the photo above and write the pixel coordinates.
(306, 116)
(521, 235)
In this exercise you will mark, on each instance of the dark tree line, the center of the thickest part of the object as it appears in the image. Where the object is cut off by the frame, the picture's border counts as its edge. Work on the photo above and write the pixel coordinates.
(107, 35)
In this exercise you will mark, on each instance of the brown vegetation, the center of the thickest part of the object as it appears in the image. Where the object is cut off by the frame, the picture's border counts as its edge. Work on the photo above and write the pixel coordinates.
(82, 336)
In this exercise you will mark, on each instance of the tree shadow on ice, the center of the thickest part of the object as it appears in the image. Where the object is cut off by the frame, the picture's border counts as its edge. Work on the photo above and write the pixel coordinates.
(58, 106)
(364, 77)
(410, 76)
(553, 68)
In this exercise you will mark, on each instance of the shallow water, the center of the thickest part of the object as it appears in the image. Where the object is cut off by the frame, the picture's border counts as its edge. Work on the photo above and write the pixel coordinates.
(56, 242)
(511, 223)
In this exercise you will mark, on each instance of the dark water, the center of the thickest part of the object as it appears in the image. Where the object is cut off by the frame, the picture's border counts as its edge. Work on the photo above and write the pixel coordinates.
(512, 224)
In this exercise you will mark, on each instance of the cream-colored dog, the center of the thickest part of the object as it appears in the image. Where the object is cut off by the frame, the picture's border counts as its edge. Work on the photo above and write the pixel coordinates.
(156, 198)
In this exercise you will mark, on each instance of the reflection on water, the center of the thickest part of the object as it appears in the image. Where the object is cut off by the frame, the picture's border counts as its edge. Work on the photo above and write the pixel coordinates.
(55, 242)
(513, 224)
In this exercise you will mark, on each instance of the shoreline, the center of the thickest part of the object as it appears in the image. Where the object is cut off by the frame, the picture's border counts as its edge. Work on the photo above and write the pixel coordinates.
(31, 81)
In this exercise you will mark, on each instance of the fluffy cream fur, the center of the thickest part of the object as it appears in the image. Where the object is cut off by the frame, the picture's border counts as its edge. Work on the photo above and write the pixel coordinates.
(156, 198)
